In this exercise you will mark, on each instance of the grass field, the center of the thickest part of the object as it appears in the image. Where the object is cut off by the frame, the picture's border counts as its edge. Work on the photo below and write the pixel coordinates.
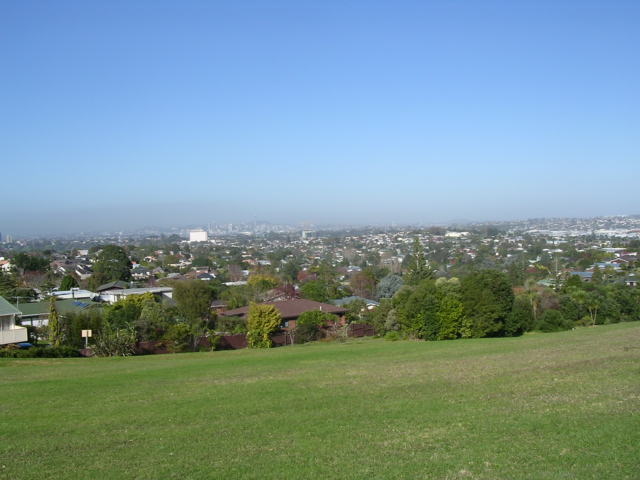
(543, 406)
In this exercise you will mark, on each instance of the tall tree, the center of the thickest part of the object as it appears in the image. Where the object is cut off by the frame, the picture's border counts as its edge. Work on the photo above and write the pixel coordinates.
(418, 270)
(55, 327)
(68, 282)
(112, 263)
(488, 299)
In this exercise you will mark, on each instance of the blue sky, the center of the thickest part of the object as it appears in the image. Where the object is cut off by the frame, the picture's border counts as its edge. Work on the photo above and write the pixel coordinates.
(128, 113)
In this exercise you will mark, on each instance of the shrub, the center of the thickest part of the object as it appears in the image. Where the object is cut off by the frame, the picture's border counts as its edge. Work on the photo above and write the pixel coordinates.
(115, 342)
(262, 321)
(392, 336)
(231, 325)
(39, 352)
(553, 321)
(307, 332)
(178, 337)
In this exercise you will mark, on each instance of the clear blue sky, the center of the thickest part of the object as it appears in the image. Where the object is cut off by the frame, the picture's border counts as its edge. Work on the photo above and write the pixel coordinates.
(130, 113)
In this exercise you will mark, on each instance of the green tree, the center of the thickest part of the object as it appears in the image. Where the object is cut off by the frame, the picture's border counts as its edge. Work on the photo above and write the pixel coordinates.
(520, 319)
(30, 263)
(553, 321)
(262, 321)
(68, 282)
(315, 290)
(418, 270)
(54, 324)
(193, 299)
(112, 263)
(417, 311)
(452, 321)
(153, 321)
(596, 277)
(115, 342)
(309, 323)
(488, 299)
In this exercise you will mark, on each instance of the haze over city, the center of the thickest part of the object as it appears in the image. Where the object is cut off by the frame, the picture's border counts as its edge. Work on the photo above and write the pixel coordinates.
(125, 114)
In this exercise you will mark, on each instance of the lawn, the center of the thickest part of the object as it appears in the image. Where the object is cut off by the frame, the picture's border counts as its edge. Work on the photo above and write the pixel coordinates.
(543, 406)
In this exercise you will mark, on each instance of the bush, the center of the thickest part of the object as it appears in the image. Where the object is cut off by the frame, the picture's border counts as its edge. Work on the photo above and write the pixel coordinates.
(115, 342)
(178, 337)
(231, 325)
(39, 352)
(262, 321)
(392, 336)
(553, 321)
(307, 332)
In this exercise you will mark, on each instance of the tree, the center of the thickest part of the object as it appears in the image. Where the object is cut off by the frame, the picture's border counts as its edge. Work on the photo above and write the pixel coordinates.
(417, 309)
(153, 321)
(315, 290)
(125, 312)
(55, 327)
(30, 263)
(363, 284)
(68, 282)
(418, 269)
(193, 299)
(112, 263)
(553, 321)
(309, 323)
(389, 285)
(8, 285)
(596, 277)
(115, 342)
(262, 321)
(520, 319)
(261, 283)
(488, 299)
(452, 321)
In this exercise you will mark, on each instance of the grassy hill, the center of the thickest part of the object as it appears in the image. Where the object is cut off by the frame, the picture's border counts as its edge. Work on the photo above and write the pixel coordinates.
(543, 406)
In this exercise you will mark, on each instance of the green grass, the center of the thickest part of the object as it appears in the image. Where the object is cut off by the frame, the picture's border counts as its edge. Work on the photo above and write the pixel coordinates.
(543, 406)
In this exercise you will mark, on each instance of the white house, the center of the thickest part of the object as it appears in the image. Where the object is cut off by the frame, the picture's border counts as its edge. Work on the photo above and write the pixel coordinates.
(112, 296)
(9, 331)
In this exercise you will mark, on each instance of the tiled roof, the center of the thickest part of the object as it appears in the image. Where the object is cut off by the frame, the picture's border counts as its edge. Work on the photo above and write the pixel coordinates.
(292, 308)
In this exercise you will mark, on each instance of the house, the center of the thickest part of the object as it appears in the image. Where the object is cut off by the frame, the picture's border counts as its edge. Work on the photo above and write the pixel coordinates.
(631, 281)
(37, 313)
(341, 302)
(291, 309)
(117, 285)
(584, 276)
(219, 306)
(83, 271)
(205, 276)
(140, 273)
(164, 294)
(74, 293)
(9, 331)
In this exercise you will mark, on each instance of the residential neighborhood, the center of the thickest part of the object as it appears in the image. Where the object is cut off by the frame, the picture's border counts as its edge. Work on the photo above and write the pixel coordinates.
(359, 275)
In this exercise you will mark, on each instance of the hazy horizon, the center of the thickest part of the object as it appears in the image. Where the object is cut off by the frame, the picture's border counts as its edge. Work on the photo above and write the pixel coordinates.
(121, 115)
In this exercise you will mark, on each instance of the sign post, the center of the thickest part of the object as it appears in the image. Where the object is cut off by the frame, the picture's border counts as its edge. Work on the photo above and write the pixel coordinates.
(86, 334)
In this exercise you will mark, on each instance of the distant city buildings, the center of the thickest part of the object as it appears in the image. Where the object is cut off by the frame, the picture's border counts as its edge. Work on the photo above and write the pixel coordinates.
(198, 235)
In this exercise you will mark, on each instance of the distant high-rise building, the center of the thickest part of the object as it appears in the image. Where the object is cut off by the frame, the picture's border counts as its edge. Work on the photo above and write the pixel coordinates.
(198, 235)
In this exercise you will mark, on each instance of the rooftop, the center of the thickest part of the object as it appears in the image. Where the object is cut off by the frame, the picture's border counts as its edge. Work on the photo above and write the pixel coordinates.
(292, 308)
(7, 309)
